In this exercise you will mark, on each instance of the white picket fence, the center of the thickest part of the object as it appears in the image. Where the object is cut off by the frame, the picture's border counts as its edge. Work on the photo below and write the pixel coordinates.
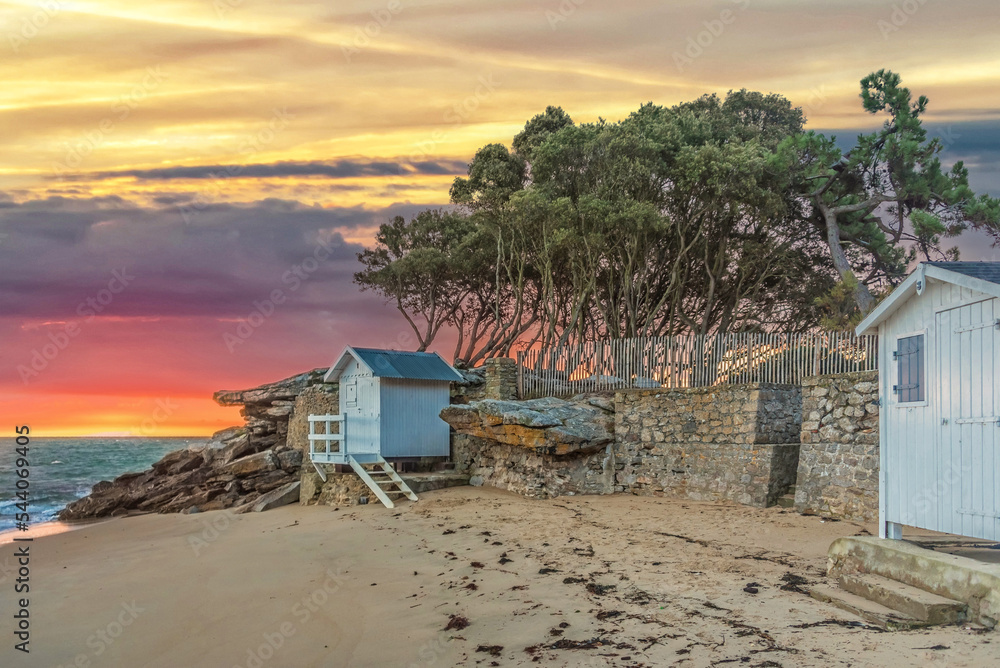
(691, 361)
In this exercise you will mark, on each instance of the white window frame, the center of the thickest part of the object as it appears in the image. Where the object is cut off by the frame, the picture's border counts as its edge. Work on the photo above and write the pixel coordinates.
(895, 371)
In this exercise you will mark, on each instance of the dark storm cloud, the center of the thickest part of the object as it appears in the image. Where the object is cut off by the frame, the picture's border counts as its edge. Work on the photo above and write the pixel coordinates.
(336, 169)
(57, 252)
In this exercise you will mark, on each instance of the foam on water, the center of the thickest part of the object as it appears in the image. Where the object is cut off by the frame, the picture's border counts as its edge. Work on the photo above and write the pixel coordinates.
(65, 469)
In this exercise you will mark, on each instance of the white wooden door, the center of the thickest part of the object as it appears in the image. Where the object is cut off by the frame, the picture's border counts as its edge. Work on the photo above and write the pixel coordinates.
(968, 447)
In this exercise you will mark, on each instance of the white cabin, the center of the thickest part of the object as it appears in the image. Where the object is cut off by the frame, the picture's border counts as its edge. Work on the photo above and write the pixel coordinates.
(939, 364)
(390, 405)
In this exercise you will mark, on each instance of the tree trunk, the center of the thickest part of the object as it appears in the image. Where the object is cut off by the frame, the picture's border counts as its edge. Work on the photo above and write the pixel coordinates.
(862, 296)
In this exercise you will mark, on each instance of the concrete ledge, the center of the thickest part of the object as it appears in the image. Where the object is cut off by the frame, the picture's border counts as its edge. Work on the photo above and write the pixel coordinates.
(972, 582)
(426, 482)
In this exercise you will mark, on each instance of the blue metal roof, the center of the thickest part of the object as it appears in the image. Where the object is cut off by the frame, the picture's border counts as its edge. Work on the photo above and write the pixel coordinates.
(987, 271)
(400, 364)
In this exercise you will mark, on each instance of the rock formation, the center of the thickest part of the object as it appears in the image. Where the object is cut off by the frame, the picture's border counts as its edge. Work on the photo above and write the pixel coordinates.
(246, 468)
(547, 426)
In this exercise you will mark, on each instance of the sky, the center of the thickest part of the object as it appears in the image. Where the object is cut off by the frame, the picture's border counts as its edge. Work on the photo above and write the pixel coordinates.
(184, 185)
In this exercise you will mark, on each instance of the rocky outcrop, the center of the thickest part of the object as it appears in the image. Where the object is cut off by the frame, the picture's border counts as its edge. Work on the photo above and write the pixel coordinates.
(540, 448)
(227, 472)
(548, 426)
(268, 408)
(246, 468)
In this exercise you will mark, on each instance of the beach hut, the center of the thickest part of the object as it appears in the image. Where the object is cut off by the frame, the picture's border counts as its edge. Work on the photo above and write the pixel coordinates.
(939, 364)
(390, 405)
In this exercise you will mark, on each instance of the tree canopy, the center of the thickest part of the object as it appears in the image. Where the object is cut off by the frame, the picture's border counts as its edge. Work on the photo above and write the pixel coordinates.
(888, 200)
(715, 215)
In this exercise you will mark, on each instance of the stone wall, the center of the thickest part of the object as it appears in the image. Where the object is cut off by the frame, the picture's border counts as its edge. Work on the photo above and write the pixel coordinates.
(737, 442)
(501, 379)
(528, 473)
(321, 399)
(472, 387)
(839, 459)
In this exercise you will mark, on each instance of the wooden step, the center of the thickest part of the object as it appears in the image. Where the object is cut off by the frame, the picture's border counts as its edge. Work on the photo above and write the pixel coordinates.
(871, 612)
(911, 601)
(375, 478)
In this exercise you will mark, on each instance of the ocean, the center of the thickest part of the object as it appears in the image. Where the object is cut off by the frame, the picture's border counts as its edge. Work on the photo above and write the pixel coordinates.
(64, 469)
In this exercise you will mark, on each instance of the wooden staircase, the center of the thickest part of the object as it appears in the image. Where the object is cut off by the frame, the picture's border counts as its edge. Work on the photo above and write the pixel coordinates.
(381, 478)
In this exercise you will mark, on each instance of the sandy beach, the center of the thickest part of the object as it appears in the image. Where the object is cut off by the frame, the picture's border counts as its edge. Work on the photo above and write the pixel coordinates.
(466, 576)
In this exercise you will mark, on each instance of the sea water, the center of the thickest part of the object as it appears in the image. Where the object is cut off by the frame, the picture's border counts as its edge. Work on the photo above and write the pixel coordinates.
(64, 469)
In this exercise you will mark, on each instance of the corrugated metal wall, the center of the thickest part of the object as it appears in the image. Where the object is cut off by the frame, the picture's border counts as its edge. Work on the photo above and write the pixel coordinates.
(410, 423)
(939, 462)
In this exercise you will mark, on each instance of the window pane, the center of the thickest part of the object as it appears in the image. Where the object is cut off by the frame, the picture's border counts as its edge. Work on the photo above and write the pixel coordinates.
(910, 369)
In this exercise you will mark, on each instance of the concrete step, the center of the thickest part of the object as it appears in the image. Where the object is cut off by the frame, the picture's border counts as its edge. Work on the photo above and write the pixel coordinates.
(959, 578)
(426, 482)
(911, 601)
(871, 612)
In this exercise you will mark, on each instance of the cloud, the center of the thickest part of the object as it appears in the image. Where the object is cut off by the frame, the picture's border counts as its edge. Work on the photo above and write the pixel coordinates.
(335, 169)
(211, 260)
(976, 143)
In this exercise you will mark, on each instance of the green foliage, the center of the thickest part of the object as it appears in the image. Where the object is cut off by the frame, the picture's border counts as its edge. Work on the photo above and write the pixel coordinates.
(538, 129)
(494, 175)
(888, 200)
(712, 215)
(426, 265)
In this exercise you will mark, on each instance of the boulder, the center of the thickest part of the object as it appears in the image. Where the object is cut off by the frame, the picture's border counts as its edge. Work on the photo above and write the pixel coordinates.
(279, 497)
(290, 460)
(252, 465)
(269, 481)
(236, 448)
(547, 426)
(312, 484)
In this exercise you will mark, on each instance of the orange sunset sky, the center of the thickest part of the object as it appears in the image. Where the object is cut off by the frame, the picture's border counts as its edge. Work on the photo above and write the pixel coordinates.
(165, 167)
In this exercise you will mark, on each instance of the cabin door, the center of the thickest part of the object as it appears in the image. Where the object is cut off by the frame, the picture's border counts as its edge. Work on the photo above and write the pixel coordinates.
(968, 452)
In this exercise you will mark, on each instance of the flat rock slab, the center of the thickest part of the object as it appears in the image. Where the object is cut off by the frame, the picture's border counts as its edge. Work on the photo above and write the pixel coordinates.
(548, 426)
(278, 497)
